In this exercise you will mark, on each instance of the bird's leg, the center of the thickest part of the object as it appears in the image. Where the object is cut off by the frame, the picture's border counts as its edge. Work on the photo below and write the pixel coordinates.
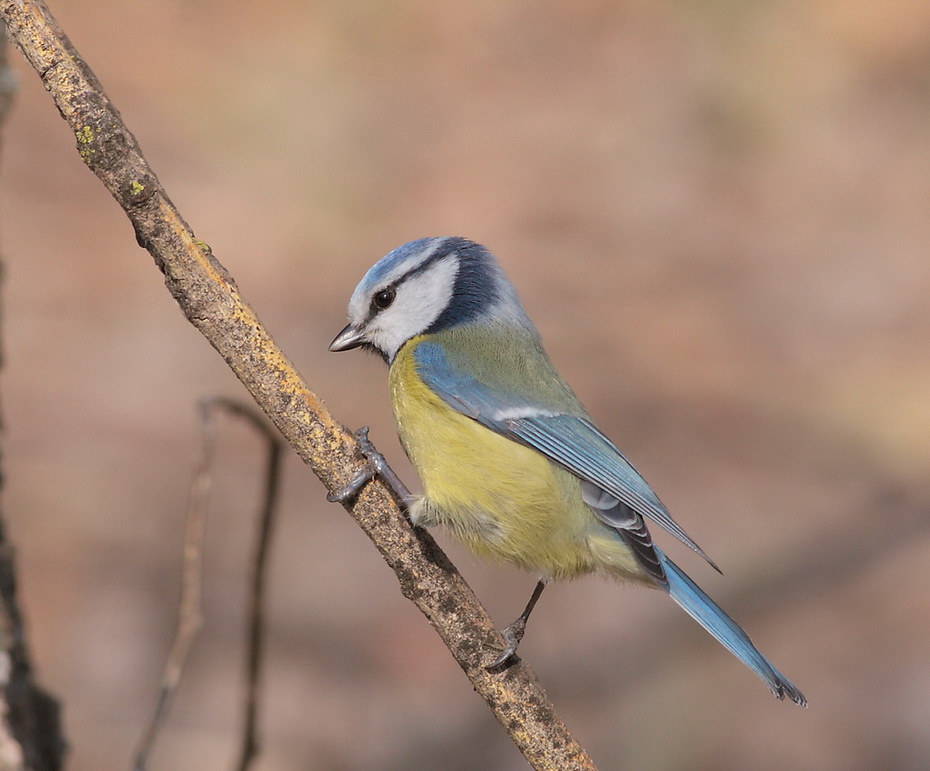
(513, 634)
(375, 466)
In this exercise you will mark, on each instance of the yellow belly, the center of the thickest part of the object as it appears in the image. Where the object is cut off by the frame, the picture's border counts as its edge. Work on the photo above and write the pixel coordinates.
(505, 501)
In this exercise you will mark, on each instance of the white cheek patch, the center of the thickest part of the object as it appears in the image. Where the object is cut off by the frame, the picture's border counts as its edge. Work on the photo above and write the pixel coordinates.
(360, 303)
(421, 299)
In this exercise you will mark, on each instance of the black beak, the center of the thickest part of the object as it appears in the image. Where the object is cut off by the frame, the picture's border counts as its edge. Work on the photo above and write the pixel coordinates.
(347, 339)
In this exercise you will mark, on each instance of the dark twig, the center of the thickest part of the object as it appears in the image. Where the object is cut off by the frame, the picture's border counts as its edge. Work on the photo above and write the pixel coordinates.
(258, 580)
(31, 734)
(190, 616)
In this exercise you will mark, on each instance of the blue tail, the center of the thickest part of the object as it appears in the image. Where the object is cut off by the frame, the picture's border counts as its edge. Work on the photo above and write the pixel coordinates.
(709, 615)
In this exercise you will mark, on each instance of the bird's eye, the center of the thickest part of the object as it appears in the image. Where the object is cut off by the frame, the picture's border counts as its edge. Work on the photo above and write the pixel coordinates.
(385, 297)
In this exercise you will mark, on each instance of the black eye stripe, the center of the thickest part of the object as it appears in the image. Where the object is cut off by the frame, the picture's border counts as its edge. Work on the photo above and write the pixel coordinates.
(385, 297)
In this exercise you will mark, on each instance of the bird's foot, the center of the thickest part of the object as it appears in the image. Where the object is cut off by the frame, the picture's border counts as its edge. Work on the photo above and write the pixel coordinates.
(375, 466)
(512, 634)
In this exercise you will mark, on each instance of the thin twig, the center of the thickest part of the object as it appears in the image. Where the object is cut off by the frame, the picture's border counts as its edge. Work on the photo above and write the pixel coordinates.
(190, 614)
(258, 580)
(211, 301)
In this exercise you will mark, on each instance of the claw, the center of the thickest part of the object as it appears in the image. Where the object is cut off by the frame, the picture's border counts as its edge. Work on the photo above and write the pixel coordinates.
(375, 466)
(351, 490)
(513, 634)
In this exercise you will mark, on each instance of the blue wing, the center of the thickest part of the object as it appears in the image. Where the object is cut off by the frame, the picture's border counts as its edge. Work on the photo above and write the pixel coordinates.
(570, 440)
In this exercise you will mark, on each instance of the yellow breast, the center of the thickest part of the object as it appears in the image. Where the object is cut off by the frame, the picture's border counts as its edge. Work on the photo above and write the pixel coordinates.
(504, 500)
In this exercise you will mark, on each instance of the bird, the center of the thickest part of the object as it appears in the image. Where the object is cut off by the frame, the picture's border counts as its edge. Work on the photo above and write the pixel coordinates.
(510, 460)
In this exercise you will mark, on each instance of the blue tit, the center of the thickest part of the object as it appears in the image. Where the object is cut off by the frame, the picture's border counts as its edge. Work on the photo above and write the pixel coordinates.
(510, 460)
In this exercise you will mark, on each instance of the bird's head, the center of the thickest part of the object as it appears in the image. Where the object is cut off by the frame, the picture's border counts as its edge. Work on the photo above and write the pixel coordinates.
(424, 287)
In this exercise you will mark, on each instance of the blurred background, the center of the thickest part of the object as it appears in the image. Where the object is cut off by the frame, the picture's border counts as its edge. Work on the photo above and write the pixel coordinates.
(717, 214)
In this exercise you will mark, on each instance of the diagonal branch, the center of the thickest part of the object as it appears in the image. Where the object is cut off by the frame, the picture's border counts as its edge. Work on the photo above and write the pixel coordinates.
(211, 301)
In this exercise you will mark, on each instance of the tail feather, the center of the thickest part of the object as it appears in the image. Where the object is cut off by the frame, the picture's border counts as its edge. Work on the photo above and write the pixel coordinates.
(709, 615)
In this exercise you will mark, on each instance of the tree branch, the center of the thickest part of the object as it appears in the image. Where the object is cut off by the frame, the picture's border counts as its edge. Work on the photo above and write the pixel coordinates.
(211, 301)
